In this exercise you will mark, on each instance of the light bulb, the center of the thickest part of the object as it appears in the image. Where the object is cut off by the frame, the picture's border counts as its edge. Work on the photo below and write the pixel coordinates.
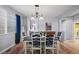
(32, 18)
(41, 18)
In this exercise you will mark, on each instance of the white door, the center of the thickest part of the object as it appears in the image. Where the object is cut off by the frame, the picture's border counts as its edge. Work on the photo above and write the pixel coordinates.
(67, 28)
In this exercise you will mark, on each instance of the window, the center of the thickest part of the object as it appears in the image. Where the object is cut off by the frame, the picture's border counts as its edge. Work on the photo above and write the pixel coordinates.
(7, 21)
(11, 22)
(3, 23)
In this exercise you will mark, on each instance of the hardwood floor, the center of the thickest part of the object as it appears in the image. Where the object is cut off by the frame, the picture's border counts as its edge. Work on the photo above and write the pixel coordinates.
(66, 47)
(70, 46)
(17, 49)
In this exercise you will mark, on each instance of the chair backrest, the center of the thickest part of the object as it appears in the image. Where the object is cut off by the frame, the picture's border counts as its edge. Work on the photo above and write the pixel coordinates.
(59, 33)
(50, 33)
(35, 34)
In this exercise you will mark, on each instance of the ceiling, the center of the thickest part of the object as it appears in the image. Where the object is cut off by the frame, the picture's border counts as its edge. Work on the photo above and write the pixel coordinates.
(46, 10)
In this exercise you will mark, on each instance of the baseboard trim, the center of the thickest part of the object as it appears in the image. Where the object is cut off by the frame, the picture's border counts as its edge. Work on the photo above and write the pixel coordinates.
(7, 48)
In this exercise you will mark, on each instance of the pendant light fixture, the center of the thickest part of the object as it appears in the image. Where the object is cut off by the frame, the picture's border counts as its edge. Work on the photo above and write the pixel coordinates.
(37, 15)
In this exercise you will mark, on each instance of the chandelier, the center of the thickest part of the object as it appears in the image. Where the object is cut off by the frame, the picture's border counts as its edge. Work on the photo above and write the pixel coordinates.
(37, 15)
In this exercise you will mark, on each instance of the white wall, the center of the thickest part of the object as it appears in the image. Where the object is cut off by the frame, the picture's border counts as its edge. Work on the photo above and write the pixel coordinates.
(53, 21)
(23, 27)
(11, 22)
(28, 25)
(7, 39)
(67, 27)
(3, 21)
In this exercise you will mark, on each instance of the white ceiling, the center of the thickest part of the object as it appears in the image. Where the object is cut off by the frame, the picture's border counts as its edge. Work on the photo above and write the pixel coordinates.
(46, 10)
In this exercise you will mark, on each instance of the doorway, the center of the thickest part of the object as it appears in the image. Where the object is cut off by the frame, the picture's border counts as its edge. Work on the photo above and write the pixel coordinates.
(76, 30)
(18, 29)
